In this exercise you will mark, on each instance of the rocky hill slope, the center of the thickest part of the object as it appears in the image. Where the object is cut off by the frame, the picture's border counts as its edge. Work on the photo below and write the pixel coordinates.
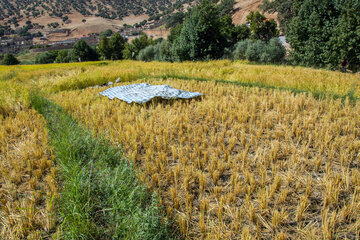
(112, 9)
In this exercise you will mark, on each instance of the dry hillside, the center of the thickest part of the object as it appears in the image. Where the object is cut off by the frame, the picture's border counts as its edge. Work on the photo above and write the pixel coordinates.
(244, 7)
(95, 16)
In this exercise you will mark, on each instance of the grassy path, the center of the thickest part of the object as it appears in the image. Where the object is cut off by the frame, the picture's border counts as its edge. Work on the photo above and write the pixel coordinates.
(101, 197)
(316, 94)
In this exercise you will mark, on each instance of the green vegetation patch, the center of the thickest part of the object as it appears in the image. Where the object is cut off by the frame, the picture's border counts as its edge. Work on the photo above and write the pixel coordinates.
(101, 197)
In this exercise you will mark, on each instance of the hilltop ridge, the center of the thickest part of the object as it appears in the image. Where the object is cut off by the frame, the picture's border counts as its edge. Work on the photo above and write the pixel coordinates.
(83, 17)
(110, 9)
(16, 13)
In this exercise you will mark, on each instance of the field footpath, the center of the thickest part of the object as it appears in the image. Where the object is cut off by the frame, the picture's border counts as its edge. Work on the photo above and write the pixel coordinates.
(319, 95)
(101, 197)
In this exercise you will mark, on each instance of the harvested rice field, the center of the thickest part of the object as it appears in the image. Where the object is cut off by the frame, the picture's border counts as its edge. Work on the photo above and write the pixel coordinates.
(239, 163)
(268, 152)
(28, 184)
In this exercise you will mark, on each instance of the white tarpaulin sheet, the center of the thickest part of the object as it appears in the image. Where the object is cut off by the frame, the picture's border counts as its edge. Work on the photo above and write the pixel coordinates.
(143, 92)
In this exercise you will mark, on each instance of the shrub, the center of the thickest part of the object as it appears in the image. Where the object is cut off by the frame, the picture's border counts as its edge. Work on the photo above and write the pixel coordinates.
(240, 49)
(107, 33)
(159, 52)
(162, 51)
(255, 50)
(10, 59)
(274, 52)
(147, 54)
(46, 57)
(265, 57)
(63, 56)
(260, 51)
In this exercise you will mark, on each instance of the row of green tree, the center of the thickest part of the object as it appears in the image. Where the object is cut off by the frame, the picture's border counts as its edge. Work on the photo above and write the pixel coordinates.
(322, 33)
(207, 32)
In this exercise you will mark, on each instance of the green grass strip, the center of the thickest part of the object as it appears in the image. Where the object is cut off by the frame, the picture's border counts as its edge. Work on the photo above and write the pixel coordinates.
(101, 198)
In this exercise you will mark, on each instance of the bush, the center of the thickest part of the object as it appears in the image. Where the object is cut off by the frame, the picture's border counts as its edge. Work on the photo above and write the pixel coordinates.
(275, 52)
(10, 59)
(260, 51)
(162, 51)
(107, 33)
(265, 57)
(46, 57)
(159, 52)
(63, 56)
(255, 50)
(240, 49)
(147, 54)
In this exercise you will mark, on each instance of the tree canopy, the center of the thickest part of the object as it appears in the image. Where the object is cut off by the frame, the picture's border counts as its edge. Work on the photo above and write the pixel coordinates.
(83, 52)
(262, 28)
(117, 46)
(10, 59)
(132, 49)
(204, 34)
(103, 48)
(323, 33)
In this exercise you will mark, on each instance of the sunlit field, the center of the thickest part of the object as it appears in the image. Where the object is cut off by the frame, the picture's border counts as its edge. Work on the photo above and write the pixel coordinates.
(58, 77)
(28, 186)
(240, 162)
(269, 152)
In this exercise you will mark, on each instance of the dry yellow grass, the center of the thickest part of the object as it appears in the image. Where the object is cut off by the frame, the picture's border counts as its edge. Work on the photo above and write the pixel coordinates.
(59, 77)
(27, 172)
(240, 163)
(27, 178)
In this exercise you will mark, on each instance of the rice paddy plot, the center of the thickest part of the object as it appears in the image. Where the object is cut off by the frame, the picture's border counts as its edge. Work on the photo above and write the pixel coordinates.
(239, 163)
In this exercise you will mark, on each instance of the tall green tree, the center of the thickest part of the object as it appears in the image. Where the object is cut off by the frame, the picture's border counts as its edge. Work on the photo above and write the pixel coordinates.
(262, 28)
(322, 33)
(103, 48)
(345, 40)
(231, 33)
(117, 46)
(82, 52)
(200, 37)
(174, 33)
(175, 19)
(129, 51)
(310, 30)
